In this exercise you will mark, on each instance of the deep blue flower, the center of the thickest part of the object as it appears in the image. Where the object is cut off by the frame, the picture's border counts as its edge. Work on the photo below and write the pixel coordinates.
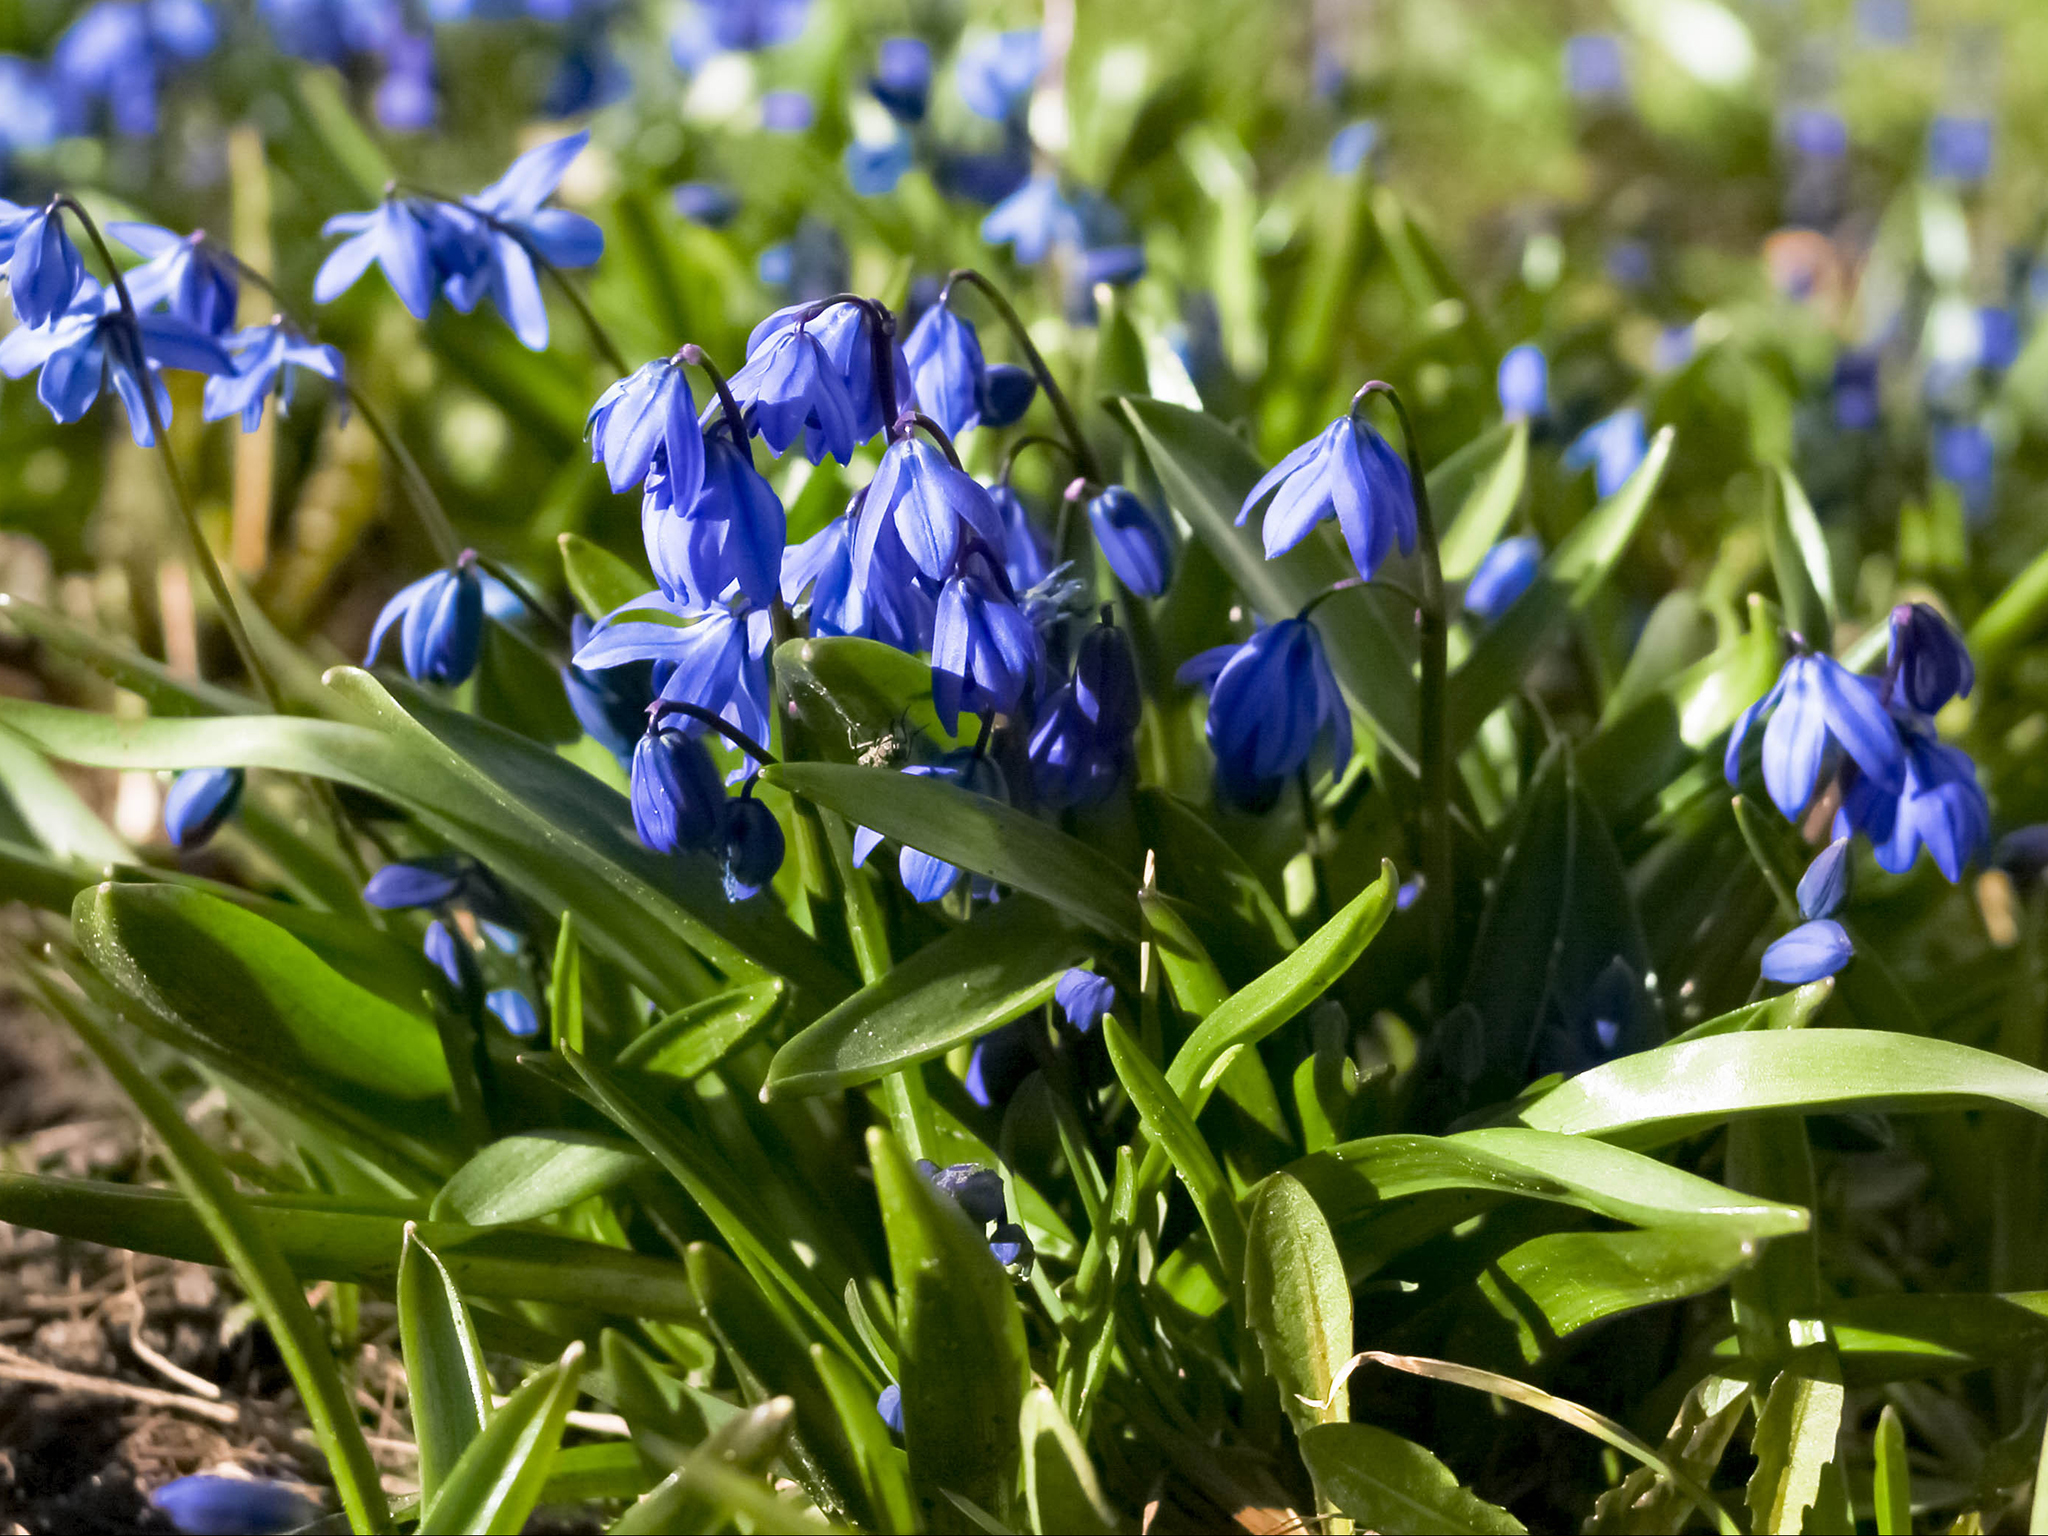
(651, 411)
(1348, 472)
(926, 500)
(1084, 997)
(394, 235)
(207, 1505)
(895, 608)
(709, 203)
(1524, 381)
(719, 662)
(677, 799)
(1118, 265)
(590, 74)
(514, 1010)
(1998, 338)
(2023, 853)
(517, 227)
(1963, 457)
(1817, 702)
(1614, 1019)
(44, 270)
(1593, 66)
(985, 177)
(1352, 146)
(750, 847)
(453, 958)
(1027, 553)
(417, 883)
(999, 1063)
(1959, 148)
(117, 52)
(791, 389)
(1082, 747)
(1809, 952)
(890, 1406)
(732, 535)
(1825, 885)
(610, 704)
(873, 170)
(443, 629)
(198, 801)
(1938, 805)
(1032, 220)
(1272, 701)
(924, 876)
(1614, 446)
(1006, 394)
(995, 74)
(946, 363)
(1134, 540)
(201, 287)
(902, 80)
(1855, 391)
(986, 655)
(93, 344)
(1928, 658)
(976, 1190)
(267, 357)
(787, 112)
(1503, 574)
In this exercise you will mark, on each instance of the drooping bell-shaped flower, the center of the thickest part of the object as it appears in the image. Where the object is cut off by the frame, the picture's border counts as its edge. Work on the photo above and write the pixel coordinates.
(394, 235)
(902, 80)
(1928, 658)
(1083, 745)
(1348, 472)
(750, 847)
(1084, 997)
(986, 655)
(718, 663)
(650, 412)
(1938, 805)
(210, 1505)
(874, 168)
(186, 272)
(1027, 553)
(430, 882)
(1134, 540)
(979, 1193)
(44, 270)
(1817, 703)
(1809, 952)
(927, 500)
(268, 358)
(1612, 447)
(517, 227)
(1503, 574)
(792, 390)
(677, 799)
(198, 802)
(731, 536)
(513, 1009)
(1825, 885)
(1032, 220)
(443, 625)
(1524, 382)
(1006, 394)
(945, 360)
(1272, 701)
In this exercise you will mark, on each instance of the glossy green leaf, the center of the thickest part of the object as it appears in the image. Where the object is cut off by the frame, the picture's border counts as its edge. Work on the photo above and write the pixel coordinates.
(1386, 1483)
(693, 1040)
(534, 1174)
(884, 1469)
(497, 1481)
(1061, 1490)
(1799, 554)
(1000, 965)
(1492, 488)
(964, 1365)
(1795, 1441)
(1892, 1480)
(862, 701)
(747, 1443)
(448, 1387)
(165, 692)
(52, 810)
(598, 579)
(1171, 1125)
(1298, 1302)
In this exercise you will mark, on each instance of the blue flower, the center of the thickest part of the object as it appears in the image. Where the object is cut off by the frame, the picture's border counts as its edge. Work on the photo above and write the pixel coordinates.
(1928, 658)
(1082, 747)
(706, 202)
(650, 412)
(677, 799)
(1963, 455)
(1504, 573)
(924, 876)
(394, 235)
(1809, 952)
(873, 170)
(750, 846)
(205, 1505)
(926, 500)
(117, 51)
(719, 663)
(1524, 381)
(1348, 472)
(1407, 893)
(404, 100)
(787, 112)
(1000, 1062)
(946, 364)
(1614, 446)
(791, 388)
(894, 608)
(1027, 554)
(453, 958)
(518, 227)
(610, 704)
(1593, 66)
(1272, 701)
(199, 800)
(1614, 1019)
(845, 337)
(985, 177)
(44, 270)
(1118, 265)
(1855, 391)
(1032, 220)
(514, 1010)
(1134, 540)
(986, 656)
(1084, 997)
(1352, 146)
(1825, 884)
(890, 1406)
(417, 883)
(1938, 804)
(978, 1191)
(747, 26)
(267, 357)
(1817, 702)
(443, 629)
(29, 115)
(201, 286)
(1959, 149)
(1005, 395)
(732, 535)
(902, 80)
(994, 74)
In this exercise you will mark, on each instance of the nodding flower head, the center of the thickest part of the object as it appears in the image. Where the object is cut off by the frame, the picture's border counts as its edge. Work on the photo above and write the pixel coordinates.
(1937, 804)
(201, 286)
(198, 802)
(516, 228)
(750, 847)
(792, 390)
(678, 801)
(1816, 707)
(1085, 998)
(1809, 952)
(1134, 540)
(1524, 382)
(927, 500)
(1348, 472)
(44, 270)
(986, 655)
(1504, 573)
(946, 363)
(1272, 701)
(1825, 885)
(1613, 447)
(731, 536)
(268, 358)
(647, 420)
(1928, 658)
(1083, 745)
(429, 882)
(443, 617)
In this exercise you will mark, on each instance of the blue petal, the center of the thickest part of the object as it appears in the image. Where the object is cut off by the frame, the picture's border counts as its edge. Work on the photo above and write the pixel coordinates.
(1809, 952)
(1826, 881)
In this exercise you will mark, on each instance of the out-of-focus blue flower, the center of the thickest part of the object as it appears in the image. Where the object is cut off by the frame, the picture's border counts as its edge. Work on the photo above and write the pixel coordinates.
(513, 1009)
(453, 958)
(1353, 145)
(1084, 997)
(1809, 952)
(117, 52)
(1117, 265)
(29, 116)
(208, 1505)
(1676, 346)
(429, 882)
(1351, 473)
(791, 389)
(873, 170)
(201, 287)
(747, 26)
(995, 74)
(1594, 68)
(395, 236)
(926, 500)
(1524, 381)
(198, 802)
(751, 847)
(268, 357)
(1825, 885)
(1928, 658)
(902, 80)
(1818, 703)
(1272, 701)
(1964, 458)
(1001, 1060)
(1629, 263)
(1082, 747)
(677, 799)
(710, 203)
(1134, 540)
(517, 228)
(588, 75)
(986, 656)
(890, 1406)
(328, 31)
(718, 663)
(443, 625)
(1959, 148)
(44, 271)
(2023, 853)
(1614, 1019)
(787, 112)
(404, 100)
(1885, 23)
(1817, 132)
(924, 876)
(978, 1191)
(732, 534)
(1998, 338)
(1613, 446)
(1938, 805)
(985, 176)
(945, 360)
(611, 705)
(1504, 573)
(1032, 220)
(1005, 395)
(647, 417)
(1407, 893)
(1855, 391)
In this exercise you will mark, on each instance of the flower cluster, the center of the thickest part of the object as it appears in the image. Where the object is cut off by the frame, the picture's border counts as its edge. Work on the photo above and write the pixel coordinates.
(447, 885)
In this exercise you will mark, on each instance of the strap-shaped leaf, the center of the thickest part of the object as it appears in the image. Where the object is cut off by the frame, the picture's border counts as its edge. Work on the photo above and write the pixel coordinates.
(535, 1174)
(1171, 1124)
(693, 1040)
(598, 579)
(448, 1387)
(496, 1482)
(1386, 1483)
(1298, 1302)
(1061, 1489)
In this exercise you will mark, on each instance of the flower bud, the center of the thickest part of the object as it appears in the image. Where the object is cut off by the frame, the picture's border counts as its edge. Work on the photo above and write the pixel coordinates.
(675, 792)
(752, 847)
(198, 801)
(1133, 540)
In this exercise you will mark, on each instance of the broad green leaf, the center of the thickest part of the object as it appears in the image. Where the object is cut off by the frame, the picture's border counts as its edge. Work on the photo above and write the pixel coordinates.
(1900, 1337)
(164, 692)
(648, 1396)
(534, 1174)
(448, 1387)
(1892, 1481)
(52, 810)
(519, 688)
(883, 1467)
(747, 1442)
(1298, 1302)
(977, 834)
(693, 1040)
(598, 579)
(1000, 965)
(1386, 1483)
(1795, 1440)
(497, 1481)
(964, 1366)
(1061, 1490)
(1171, 1125)
(861, 700)
(1493, 489)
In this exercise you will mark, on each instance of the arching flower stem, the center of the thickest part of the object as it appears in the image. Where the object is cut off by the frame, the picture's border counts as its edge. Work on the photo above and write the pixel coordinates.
(1070, 423)
(725, 728)
(532, 604)
(1031, 440)
(910, 420)
(735, 419)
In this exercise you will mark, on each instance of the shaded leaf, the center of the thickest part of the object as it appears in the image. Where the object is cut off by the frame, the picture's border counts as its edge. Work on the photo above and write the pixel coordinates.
(1386, 1483)
(448, 1387)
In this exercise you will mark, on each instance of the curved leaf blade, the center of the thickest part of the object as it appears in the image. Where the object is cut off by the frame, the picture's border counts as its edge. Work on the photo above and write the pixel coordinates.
(1386, 1483)
(497, 1481)
(448, 1387)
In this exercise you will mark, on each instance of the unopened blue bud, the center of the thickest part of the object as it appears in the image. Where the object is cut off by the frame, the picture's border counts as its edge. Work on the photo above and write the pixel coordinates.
(976, 1190)
(1524, 381)
(945, 361)
(418, 883)
(902, 80)
(890, 1406)
(198, 802)
(677, 798)
(443, 625)
(1133, 540)
(752, 847)
(1006, 394)
(44, 269)
(1084, 997)
(1010, 1245)
(1826, 881)
(208, 1505)
(1809, 952)
(1932, 663)
(513, 1009)
(1504, 573)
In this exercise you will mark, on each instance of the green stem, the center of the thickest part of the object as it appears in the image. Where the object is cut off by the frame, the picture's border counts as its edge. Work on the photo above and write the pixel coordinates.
(532, 604)
(1070, 423)
(433, 516)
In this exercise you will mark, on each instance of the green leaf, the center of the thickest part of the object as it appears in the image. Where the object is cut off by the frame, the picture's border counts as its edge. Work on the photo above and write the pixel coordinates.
(883, 1467)
(693, 1040)
(165, 692)
(995, 968)
(519, 688)
(1892, 1482)
(565, 986)
(1494, 488)
(1171, 1124)
(1645, 1501)
(1795, 1440)
(1386, 1483)
(747, 1443)
(976, 833)
(1799, 554)
(598, 579)
(1298, 1301)
(648, 1396)
(448, 1387)
(1229, 907)
(1061, 1489)
(534, 1174)
(497, 1481)
(860, 700)
(52, 810)
(962, 1339)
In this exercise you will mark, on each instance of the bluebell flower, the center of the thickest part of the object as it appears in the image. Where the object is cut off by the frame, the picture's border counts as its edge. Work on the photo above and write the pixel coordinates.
(902, 80)
(1027, 553)
(890, 1406)
(329, 31)
(732, 535)
(1504, 573)
(1348, 472)
(1134, 540)
(747, 26)
(894, 608)
(1998, 338)
(207, 1505)
(395, 236)
(29, 114)
(719, 662)
(979, 1193)
(519, 227)
(787, 112)
(994, 74)
(610, 704)
(452, 957)
(1938, 805)
(792, 389)
(677, 799)
(430, 882)
(1352, 146)
(926, 499)
(946, 364)
(443, 625)
(1032, 220)
(709, 203)
(1082, 747)
(1963, 457)
(873, 170)
(1959, 148)
(198, 802)
(117, 52)
(1928, 658)
(588, 75)
(513, 1009)
(44, 270)
(999, 1063)
(1005, 394)
(1272, 702)
(268, 357)
(649, 413)
(201, 286)
(93, 345)
(750, 847)
(1594, 67)
(1825, 885)
(1809, 952)
(1524, 381)
(404, 99)
(1085, 998)
(1817, 703)
(845, 337)
(1855, 391)
(986, 656)
(1613, 446)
